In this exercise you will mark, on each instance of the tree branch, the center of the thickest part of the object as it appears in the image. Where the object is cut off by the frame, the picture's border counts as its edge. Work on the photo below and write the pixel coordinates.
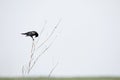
(49, 35)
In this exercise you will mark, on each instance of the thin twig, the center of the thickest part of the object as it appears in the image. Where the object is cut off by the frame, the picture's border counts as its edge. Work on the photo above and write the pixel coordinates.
(23, 70)
(32, 49)
(42, 53)
(31, 56)
(49, 35)
(41, 32)
(52, 70)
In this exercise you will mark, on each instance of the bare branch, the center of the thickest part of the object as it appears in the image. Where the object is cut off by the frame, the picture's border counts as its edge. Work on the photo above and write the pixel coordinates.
(42, 53)
(32, 49)
(34, 57)
(52, 70)
(50, 35)
(41, 32)
(23, 70)
(31, 56)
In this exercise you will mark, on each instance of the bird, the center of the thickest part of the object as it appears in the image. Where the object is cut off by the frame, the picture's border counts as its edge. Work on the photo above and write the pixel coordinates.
(31, 34)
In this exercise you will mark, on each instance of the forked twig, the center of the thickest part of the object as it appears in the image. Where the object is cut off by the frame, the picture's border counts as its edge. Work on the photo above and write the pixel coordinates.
(33, 60)
(42, 53)
(49, 35)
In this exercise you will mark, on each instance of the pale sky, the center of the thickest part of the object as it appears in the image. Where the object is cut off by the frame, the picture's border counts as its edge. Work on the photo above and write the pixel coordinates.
(88, 44)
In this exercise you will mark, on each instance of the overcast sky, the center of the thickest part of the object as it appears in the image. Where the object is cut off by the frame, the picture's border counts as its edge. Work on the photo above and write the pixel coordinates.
(88, 44)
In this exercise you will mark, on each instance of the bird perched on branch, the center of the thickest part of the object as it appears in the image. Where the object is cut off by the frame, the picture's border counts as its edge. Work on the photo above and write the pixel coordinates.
(31, 34)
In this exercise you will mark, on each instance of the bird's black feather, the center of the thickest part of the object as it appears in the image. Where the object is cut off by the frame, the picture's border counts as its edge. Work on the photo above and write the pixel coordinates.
(31, 34)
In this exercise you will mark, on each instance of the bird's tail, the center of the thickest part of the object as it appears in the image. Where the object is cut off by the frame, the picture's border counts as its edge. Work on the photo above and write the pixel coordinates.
(23, 33)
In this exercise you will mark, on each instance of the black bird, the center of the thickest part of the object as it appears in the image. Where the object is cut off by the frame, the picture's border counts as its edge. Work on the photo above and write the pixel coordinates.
(31, 34)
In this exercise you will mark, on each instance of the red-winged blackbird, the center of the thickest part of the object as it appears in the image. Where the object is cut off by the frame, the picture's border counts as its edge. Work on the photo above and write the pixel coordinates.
(31, 34)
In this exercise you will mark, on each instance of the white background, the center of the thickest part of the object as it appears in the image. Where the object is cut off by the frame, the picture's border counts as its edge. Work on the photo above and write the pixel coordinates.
(88, 45)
